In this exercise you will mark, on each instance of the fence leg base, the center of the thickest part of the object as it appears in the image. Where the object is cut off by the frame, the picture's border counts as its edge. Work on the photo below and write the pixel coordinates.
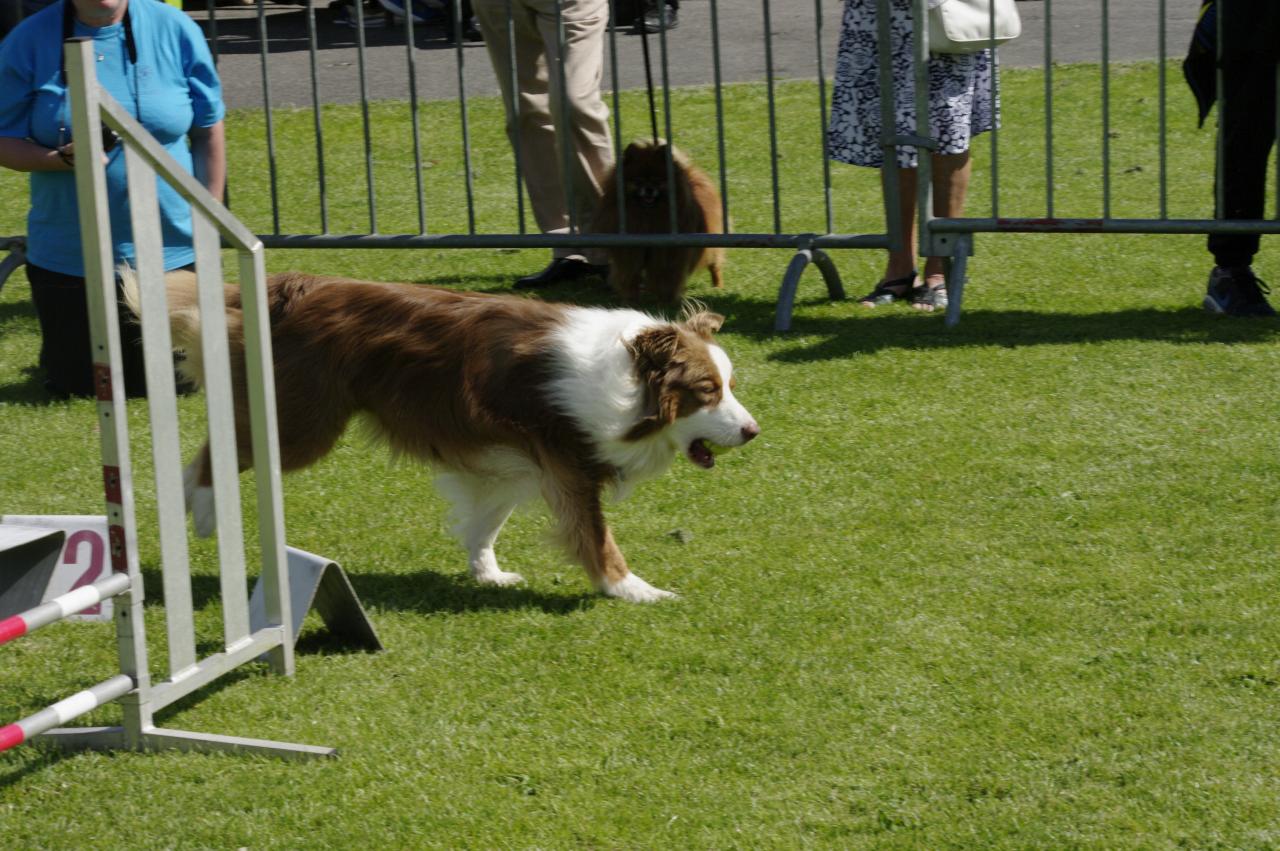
(317, 582)
(957, 272)
(155, 739)
(791, 282)
(830, 276)
(16, 257)
(787, 292)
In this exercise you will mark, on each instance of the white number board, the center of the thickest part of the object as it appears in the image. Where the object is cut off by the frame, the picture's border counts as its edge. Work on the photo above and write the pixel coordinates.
(85, 556)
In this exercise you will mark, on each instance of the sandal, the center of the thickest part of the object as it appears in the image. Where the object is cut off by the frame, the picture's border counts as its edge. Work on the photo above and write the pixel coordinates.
(929, 297)
(887, 292)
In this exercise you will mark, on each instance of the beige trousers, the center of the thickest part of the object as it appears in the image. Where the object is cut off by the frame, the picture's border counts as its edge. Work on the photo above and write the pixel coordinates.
(544, 124)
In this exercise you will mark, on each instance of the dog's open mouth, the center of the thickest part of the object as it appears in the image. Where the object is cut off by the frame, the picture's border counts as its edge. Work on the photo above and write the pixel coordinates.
(701, 454)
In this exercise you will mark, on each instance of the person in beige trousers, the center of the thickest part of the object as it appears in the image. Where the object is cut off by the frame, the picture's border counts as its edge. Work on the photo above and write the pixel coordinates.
(541, 119)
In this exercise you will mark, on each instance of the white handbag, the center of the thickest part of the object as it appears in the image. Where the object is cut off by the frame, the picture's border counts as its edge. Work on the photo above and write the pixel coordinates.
(964, 26)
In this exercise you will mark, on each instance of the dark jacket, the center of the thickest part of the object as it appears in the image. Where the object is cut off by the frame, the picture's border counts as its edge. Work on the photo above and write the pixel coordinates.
(1250, 39)
(1199, 66)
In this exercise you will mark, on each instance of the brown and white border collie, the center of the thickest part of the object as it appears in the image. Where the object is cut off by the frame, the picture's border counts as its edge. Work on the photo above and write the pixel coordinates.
(508, 398)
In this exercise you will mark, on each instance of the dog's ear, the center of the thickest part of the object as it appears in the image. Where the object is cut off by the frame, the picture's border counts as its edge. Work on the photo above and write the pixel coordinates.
(661, 407)
(653, 351)
(704, 323)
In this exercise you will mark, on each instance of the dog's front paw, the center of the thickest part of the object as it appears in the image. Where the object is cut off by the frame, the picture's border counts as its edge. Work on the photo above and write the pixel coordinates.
(498, 577)
(633, 589)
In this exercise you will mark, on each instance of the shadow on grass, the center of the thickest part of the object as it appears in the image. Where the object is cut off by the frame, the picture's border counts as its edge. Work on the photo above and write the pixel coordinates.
(870, 331)
(30, 390)
(903, 328)
(586, 292)
(423, 592)
(40, 757)
(45, 754)
(426, 592)
(11, 310)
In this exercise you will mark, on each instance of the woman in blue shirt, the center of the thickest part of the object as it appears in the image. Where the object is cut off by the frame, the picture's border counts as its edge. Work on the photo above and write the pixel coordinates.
(153, 60)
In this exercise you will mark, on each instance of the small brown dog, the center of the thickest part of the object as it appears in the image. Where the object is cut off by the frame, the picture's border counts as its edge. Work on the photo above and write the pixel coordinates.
(659, 273)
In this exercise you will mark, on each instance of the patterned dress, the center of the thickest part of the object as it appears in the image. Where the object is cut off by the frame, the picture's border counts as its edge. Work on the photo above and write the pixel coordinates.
(961, 104)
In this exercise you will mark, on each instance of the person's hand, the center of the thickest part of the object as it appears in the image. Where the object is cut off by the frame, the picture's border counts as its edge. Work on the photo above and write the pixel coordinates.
(67, 153)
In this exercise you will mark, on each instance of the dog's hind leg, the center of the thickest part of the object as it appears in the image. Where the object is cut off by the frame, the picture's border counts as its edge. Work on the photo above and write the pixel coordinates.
(715, 265)
(197, 484)
(479, 512)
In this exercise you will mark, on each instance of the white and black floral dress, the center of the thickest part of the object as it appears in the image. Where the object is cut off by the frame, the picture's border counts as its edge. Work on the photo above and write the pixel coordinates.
(961, 105)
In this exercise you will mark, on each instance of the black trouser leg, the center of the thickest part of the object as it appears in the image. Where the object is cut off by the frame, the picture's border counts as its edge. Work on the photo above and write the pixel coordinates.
(65, 355)
(1247, 120)
(464, 6)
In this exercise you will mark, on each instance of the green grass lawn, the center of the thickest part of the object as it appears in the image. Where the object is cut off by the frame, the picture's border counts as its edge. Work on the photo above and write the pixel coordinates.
(1007, 585)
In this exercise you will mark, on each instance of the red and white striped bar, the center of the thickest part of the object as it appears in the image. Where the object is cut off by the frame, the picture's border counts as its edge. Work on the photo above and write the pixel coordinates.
(60, 607)
(65, 710)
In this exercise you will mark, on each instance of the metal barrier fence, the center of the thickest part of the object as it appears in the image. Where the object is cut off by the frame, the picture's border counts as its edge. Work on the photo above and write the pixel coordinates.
(138, 695)
(938, 236)
(804, 242)
(953, 237)
(352, 194)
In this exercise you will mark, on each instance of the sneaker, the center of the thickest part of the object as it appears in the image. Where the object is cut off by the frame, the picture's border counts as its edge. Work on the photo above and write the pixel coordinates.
(1235, 291)
(470, 30)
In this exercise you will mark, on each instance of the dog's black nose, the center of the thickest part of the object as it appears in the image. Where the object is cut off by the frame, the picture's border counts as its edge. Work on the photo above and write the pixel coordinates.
(749, 431)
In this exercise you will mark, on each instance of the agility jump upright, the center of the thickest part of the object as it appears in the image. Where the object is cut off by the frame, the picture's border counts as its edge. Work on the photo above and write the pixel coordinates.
(133, 687)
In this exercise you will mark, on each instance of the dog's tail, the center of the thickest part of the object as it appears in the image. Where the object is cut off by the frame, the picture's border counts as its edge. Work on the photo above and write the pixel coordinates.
(184, 317)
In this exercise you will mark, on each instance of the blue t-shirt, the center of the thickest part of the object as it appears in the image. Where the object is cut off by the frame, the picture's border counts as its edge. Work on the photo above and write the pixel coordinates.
(173, 88)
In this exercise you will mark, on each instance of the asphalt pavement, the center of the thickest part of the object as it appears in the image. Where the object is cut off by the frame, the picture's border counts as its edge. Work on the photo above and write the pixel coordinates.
(803, 43)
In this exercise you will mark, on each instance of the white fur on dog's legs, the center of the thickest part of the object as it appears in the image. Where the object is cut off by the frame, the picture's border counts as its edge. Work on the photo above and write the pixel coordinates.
(478, 518)
(484, 563)
(633, 589)
(199, 500)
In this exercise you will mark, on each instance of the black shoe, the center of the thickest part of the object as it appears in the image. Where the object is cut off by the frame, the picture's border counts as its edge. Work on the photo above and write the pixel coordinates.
(55, 391)
(651, 20)
(1235, 291)
(470, 31)
(560, 270)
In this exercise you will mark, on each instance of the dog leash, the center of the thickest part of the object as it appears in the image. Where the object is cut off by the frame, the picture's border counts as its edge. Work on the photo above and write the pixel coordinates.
(653, 112)
(648, 70)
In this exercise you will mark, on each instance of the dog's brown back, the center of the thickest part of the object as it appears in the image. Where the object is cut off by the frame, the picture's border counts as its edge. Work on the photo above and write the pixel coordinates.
(398, 352)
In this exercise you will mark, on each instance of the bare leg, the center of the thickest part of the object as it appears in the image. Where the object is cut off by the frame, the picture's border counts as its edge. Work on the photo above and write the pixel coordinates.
(899, 273)
(950, 186)
(903, 262)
